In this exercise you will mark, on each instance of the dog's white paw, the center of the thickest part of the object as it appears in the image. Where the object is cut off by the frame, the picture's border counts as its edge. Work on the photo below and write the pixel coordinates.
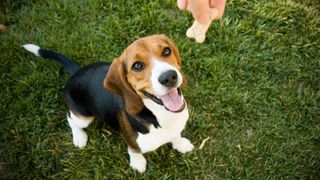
(183, 145)
(138, 162)
(80, 138)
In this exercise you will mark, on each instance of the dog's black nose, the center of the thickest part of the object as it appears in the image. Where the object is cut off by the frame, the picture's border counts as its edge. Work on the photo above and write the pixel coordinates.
(168, 78)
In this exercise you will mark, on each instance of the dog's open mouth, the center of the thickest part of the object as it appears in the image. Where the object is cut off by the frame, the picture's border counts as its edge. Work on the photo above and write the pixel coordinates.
(172, 101)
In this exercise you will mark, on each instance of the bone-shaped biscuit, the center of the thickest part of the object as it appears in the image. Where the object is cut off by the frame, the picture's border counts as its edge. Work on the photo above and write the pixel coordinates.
(198, 31)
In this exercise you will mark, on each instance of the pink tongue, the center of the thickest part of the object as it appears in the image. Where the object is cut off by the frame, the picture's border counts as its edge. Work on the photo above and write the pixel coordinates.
(172, 100)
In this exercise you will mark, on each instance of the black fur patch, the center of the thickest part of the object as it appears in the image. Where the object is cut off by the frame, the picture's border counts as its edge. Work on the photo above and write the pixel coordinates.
(142, 120)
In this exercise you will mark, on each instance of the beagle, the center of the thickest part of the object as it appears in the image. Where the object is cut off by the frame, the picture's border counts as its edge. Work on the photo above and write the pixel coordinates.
(138, 94)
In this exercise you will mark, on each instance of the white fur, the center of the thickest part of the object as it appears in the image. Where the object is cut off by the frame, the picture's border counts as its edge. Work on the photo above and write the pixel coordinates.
(182, 145)
(160, 67)
(171, 126)
(32, 48)
(77, 124)
(137, 161)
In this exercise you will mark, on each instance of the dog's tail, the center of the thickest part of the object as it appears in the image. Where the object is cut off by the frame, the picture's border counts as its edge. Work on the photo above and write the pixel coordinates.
(70, 66)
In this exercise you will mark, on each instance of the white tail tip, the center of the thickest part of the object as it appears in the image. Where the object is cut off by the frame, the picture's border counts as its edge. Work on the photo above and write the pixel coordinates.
(32, 48)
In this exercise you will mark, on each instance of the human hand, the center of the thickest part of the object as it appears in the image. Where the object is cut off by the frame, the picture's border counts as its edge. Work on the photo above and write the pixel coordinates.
(204, 12)
(200, 9)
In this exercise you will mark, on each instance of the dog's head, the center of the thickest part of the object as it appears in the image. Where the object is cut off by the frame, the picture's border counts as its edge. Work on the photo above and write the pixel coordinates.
(148, 69)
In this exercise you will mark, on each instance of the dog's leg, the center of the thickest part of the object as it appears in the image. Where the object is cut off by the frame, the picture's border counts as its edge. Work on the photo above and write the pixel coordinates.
(182, 144)
(137, 161)
(77, 124)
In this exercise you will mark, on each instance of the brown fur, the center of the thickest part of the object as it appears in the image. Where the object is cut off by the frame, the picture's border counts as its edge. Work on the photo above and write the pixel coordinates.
(128, 132)
(128, 83)
(116, 81)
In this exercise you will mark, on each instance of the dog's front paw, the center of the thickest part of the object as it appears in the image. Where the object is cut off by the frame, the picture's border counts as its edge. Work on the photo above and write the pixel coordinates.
(80, 138)
(183, 145)
(139, 163)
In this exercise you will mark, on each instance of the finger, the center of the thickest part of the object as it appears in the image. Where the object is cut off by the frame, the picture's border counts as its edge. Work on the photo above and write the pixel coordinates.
(204, 18)
(200, 10)
(220, 5)
(182, 4)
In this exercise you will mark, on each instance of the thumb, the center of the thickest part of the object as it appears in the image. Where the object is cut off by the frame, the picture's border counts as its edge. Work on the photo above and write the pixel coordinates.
(200, 10)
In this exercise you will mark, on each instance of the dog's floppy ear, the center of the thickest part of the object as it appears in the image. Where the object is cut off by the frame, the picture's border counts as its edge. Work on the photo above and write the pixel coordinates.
(116, 81)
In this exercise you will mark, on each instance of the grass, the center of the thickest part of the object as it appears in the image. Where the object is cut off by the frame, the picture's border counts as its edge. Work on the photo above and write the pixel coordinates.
(253, 89)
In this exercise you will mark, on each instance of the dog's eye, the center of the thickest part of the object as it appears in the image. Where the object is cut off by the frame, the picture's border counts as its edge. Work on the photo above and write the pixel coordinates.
(166, 52)
(138, 66)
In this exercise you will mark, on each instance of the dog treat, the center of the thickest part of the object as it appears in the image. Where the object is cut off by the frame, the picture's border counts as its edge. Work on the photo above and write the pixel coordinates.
(198, 31)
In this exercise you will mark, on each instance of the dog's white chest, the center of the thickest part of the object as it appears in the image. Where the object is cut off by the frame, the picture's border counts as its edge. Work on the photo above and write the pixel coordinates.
(171, 125)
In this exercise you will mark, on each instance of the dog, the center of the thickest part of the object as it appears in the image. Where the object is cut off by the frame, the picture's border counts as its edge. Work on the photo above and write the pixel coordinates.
(139, 94)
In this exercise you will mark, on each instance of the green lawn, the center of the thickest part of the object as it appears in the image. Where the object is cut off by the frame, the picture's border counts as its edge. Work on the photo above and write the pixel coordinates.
(253, 89)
